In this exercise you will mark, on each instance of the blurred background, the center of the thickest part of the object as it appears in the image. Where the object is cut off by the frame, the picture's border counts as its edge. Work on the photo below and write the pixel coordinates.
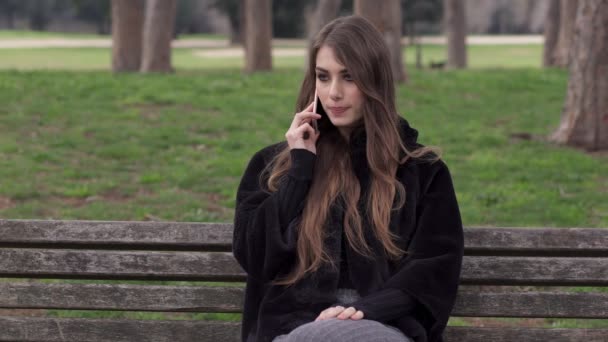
(215, 24)
(149, 110)
(290, 18)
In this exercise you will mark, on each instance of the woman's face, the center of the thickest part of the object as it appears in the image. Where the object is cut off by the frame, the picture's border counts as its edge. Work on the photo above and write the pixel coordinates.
(341, 98)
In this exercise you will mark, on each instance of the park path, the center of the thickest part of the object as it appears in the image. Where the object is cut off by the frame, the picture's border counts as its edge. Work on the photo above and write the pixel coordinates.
(222, 47)
(28, 43)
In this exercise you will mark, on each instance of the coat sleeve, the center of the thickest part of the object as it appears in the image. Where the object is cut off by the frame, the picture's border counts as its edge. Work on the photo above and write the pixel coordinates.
(264, 239)
(430, 272)
(385, 305)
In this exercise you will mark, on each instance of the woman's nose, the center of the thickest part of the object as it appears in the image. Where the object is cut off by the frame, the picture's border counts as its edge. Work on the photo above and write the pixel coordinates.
(335, 91)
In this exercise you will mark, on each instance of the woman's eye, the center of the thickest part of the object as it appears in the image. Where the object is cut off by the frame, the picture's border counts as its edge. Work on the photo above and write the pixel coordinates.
(322, 77)
(347, 77)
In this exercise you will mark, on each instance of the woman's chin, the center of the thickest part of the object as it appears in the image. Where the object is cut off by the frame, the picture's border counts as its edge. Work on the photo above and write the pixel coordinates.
(345, 123)
(341, 122)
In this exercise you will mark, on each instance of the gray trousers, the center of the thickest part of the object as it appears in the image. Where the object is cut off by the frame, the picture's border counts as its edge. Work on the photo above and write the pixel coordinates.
(334, 329)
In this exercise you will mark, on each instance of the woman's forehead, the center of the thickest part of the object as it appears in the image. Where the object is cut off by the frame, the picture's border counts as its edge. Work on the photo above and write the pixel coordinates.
(327, 61)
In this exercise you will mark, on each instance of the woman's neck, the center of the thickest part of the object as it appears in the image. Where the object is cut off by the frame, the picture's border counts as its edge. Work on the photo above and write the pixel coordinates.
(345, 132)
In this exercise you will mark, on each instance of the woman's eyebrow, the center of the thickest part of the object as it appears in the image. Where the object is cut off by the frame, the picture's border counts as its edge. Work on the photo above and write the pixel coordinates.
(343, 71)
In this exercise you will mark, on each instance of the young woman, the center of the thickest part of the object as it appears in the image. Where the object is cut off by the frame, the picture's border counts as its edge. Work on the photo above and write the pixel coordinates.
(351, 232)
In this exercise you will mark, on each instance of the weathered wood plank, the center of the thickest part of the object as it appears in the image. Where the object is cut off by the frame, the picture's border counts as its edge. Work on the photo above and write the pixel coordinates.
(39, 263)
(550, 271)
(77, 330)
(94, 264)
(502, 334)
(218, 236)
(587, 266)
(100, 330)
(230, 299)
(531, 304)
(221, 266)
(117, 234)
(537, 241)
(121, 297)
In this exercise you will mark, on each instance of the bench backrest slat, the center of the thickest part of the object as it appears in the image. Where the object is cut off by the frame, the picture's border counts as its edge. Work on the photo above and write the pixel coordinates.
(218, 236)
(549, 271)
(77, 330)
(122, 297)
(537, 241)
(221, 266)
(533, 304)
(503, 334)
(95, 264)
(116, 234)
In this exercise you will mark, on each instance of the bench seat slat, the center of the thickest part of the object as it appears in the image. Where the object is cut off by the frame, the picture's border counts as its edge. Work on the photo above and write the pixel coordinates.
(481, 303)
(221, 266)
(77, 330)
(218, 236)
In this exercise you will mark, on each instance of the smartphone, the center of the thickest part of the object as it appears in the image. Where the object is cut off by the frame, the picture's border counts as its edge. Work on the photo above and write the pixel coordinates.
(314, 110)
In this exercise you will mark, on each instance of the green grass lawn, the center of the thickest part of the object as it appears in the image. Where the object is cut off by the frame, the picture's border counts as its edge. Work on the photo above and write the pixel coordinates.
(93, 145)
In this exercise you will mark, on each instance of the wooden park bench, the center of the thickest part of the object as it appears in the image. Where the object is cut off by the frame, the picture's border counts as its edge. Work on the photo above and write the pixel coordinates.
(506, 273)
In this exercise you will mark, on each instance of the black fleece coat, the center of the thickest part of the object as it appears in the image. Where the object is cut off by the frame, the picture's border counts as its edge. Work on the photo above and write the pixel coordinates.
(429, 228)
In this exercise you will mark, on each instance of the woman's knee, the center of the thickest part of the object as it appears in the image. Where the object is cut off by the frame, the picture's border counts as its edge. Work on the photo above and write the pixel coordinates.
(345, 330)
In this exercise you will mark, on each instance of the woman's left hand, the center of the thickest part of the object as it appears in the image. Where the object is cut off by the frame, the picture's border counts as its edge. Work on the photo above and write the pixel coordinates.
(341, 313)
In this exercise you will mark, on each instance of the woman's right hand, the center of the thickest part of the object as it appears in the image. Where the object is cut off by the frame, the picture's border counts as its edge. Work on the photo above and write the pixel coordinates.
(301, 127)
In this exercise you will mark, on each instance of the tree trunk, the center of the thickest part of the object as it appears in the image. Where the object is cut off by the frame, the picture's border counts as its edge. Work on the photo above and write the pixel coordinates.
(326, 11)
(566, 31)
(551, 33)
(240, 32)
(258, 35)
(585, 117)
(418, 56)
(456, 27)
(158, 33)
(386, 16)
(414, 40)
(10, 19)
(127, 25)
(40, 15)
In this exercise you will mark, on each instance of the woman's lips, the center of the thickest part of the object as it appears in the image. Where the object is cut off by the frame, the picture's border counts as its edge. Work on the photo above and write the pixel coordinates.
(338, 110)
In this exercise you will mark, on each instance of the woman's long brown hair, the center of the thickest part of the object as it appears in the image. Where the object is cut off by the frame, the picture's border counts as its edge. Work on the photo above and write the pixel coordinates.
(361, 49)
